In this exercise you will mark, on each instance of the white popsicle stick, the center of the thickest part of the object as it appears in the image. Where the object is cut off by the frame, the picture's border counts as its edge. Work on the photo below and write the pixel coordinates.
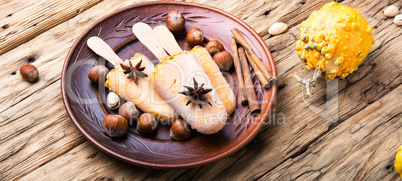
(167, 40)
(144, 33)
(101, 48)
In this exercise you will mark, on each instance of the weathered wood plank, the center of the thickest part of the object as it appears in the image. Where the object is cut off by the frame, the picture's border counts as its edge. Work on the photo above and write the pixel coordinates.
(353, 144)
(34, 126)
(361, 148)
(23, 20)
(92, 161)
(377, 76)
(8, 8)
(30, 137)
(303, 125)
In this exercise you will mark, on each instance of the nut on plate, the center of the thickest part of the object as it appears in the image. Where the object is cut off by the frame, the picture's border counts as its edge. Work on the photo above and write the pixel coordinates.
(115, 125)
(98, 74)
(130, 112)
(175, 21)
(113, 100)
(224, 60)
(214, 47)
(147, 123)
(29, 72)
(180, 130)
(195, 37)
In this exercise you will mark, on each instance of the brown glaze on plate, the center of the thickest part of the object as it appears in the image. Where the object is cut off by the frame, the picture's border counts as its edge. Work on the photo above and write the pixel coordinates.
(85, 102)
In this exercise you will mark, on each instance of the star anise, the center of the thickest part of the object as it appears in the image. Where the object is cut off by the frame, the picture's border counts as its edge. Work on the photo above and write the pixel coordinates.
(134, 72)
(196, 94)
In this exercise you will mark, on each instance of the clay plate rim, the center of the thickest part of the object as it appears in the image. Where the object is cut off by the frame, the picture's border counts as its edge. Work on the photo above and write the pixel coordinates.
(163, 166)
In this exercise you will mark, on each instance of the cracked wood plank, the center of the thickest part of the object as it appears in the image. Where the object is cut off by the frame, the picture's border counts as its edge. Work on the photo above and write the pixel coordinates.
(22, 20)
(92, 161)
(361, 148)
(34, 126)
(278, 141)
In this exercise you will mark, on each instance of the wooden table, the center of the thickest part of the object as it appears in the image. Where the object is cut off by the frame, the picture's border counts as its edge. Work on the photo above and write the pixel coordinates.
(351, 128)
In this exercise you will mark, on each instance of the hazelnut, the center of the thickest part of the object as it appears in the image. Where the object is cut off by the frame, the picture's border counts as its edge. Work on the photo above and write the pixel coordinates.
(147, 123)
(214, 47)
(180, 130)
(175, 21)
(113, 100)
(29, 72)
(224, 60)
(130, 112)
(98, 74)
(115, 125)
(195, 37)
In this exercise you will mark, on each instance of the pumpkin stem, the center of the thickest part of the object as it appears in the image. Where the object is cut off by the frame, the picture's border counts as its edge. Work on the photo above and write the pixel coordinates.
(309, 81)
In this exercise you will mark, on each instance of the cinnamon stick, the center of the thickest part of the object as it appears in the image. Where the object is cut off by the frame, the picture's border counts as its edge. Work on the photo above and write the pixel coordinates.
(241, 92)
(258, 73)
(254, 105)
(239, 37)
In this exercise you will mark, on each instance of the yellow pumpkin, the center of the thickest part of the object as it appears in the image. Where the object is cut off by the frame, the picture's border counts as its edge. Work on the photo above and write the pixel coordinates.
(398, 161)
(335, 40)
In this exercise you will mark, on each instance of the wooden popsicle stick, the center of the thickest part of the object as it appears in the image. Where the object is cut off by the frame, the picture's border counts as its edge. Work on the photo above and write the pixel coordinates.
(146, 36)
(102, 49)
(258, 73)
(167, 40)
(241, 92)
(239, 37)
(253, 102)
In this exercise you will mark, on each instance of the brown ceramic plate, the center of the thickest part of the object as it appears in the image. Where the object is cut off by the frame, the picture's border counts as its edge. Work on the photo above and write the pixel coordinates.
(85, 102)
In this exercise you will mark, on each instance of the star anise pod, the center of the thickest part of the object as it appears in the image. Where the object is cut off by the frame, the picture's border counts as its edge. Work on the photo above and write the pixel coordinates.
(134, 72)
(196, 94)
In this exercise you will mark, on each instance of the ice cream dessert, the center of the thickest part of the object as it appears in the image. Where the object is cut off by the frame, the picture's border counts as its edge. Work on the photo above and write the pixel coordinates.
(184, 84)
(130, 82)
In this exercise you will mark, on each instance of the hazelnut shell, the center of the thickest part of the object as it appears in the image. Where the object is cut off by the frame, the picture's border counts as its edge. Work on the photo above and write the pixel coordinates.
(147, 123)
(214, 47)
(175, 21)
(29, 72)
(130, 112)
(180, 130)
(224, 60)
(98, 74)
(115, 125)
(195, 37)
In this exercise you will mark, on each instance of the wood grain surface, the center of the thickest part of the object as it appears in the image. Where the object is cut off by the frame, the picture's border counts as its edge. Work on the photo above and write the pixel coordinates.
(349, 130)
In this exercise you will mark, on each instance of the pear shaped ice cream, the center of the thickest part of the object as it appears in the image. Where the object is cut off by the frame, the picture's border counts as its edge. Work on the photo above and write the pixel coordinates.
(142, 93)
(175, 76)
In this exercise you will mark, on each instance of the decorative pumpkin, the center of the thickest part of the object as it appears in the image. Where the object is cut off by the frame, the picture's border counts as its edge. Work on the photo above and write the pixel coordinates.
(398, 161)
(335, 40)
